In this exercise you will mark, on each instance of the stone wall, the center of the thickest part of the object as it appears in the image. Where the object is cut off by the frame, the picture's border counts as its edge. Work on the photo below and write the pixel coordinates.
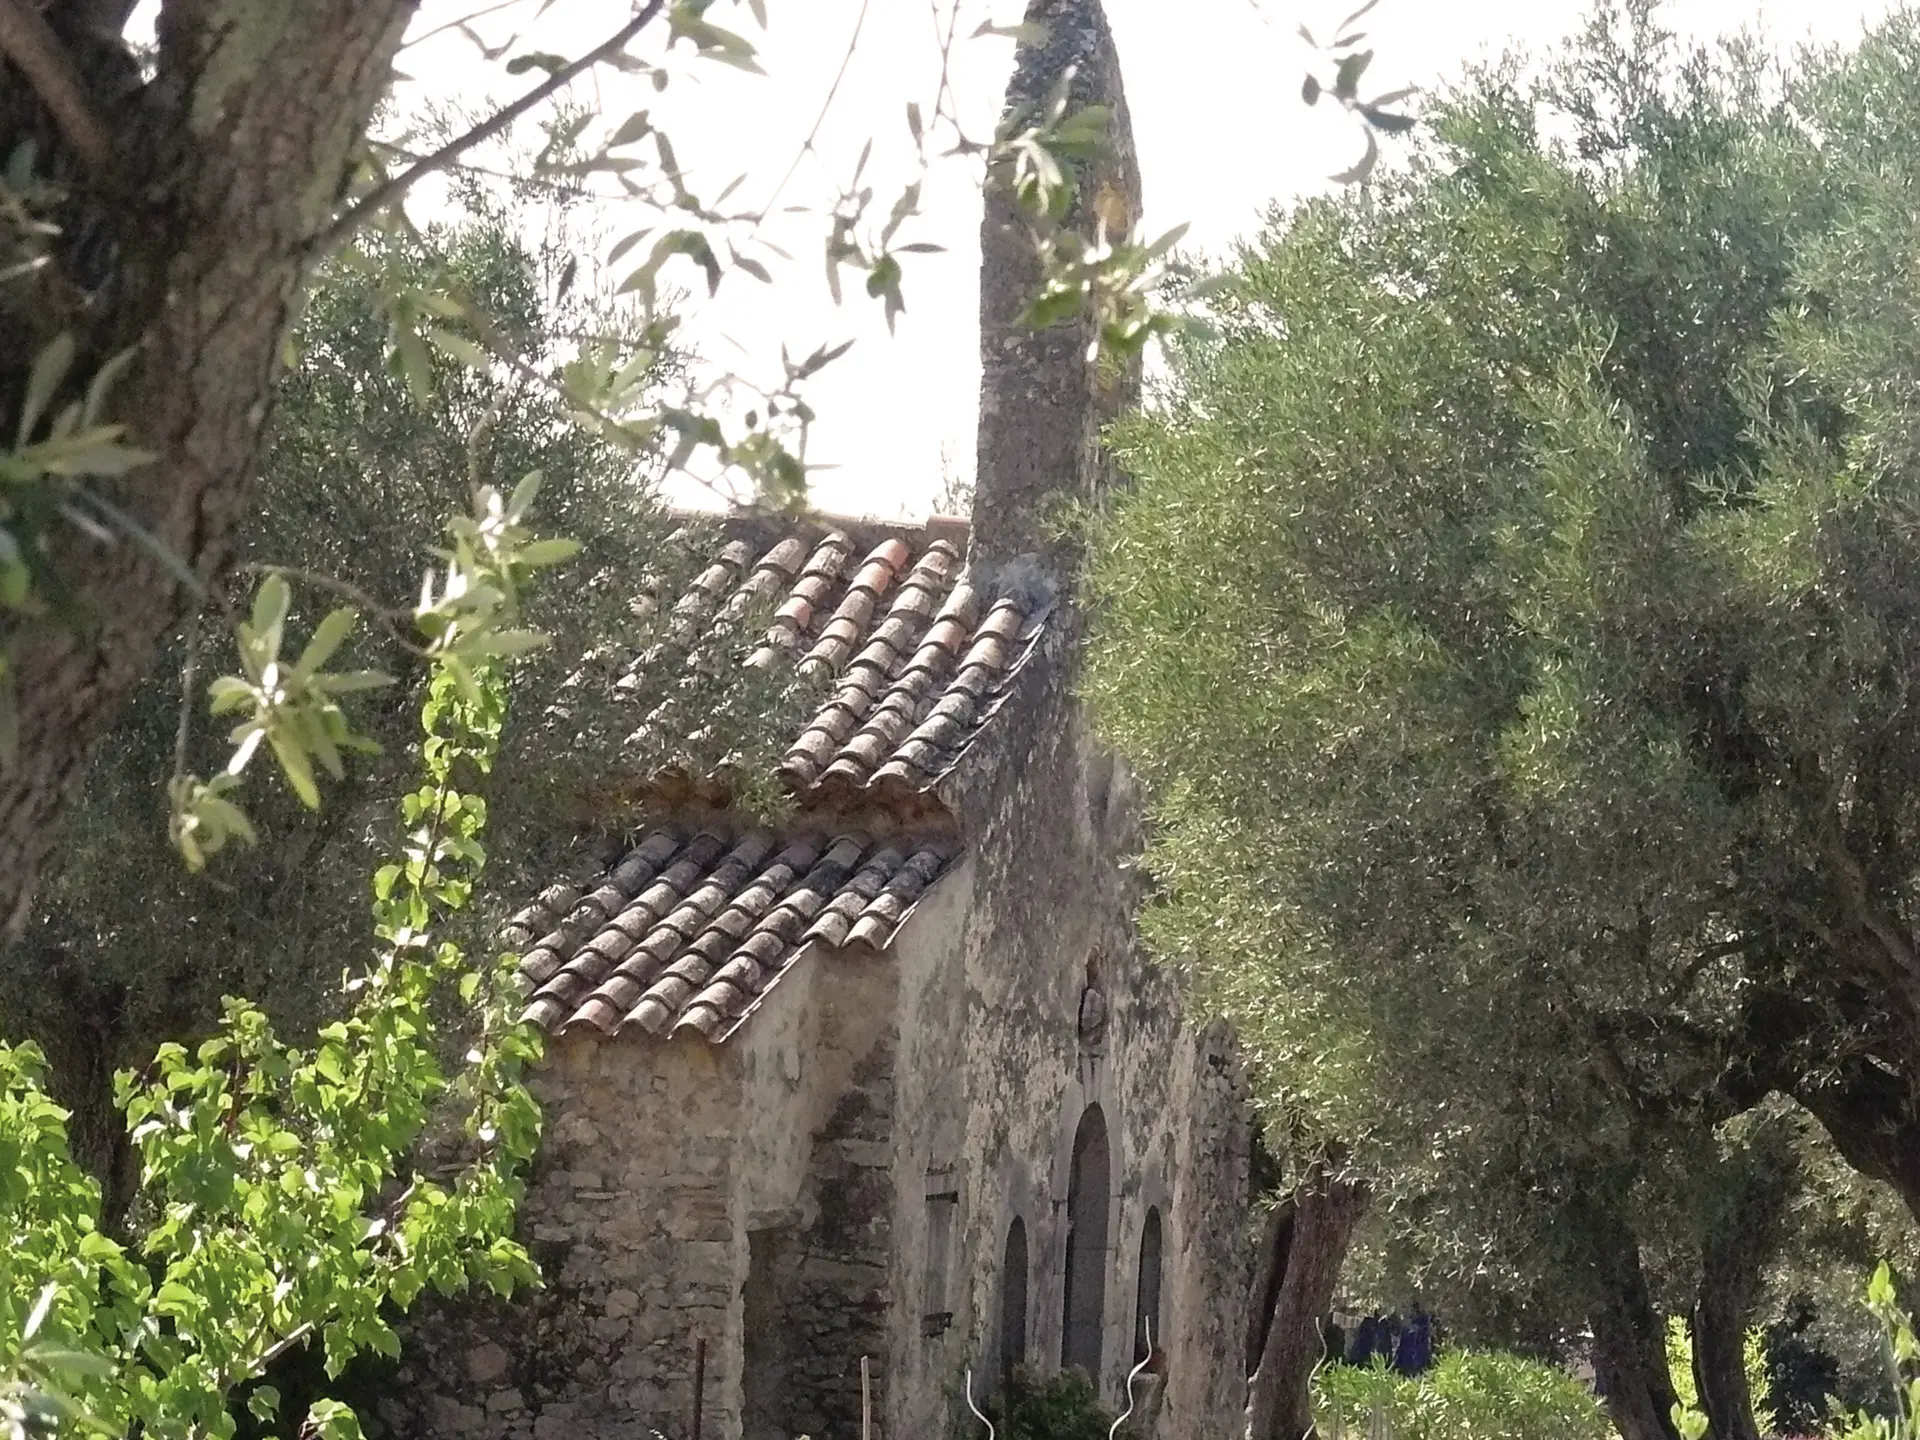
(817, 1292)
(737, 1194)
(815, 1209)
(928, 1266)
(1205, 1294)
(629, 1217)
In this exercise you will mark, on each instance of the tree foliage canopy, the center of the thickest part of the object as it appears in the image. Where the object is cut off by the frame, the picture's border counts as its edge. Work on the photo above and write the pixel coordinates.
(1513, 616)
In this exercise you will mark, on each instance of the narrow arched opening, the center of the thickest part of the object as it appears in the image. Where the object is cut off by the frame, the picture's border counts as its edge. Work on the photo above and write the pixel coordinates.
(1147, 1335)
(1089, 1185)
(1013, 1301)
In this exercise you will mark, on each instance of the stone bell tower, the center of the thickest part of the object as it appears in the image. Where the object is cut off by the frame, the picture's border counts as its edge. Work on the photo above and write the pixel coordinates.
(1043, 400)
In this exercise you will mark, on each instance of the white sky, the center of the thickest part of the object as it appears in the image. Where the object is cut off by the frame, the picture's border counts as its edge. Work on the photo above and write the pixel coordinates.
(1213, 86)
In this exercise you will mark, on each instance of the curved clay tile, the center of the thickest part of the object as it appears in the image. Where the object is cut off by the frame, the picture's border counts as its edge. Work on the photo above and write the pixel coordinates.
(772, 946)
(712, 923)
(585, 914)
(748, 911)
(570, 976)
(887, 910)
(840, 913)
(773, 572)
(855, 612)
(819, 578)
(616, 992)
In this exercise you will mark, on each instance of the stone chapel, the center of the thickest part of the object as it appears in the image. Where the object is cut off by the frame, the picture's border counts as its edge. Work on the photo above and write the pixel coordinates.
(838, 1113)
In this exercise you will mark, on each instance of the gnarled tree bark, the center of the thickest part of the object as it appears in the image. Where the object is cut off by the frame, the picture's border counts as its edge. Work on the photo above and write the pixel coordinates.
(1742, 1230)
(224, 168)
(1326, 1208)
(1269, 1272)
(1629, 1344)
(1869, 1114)
(1720, 1318)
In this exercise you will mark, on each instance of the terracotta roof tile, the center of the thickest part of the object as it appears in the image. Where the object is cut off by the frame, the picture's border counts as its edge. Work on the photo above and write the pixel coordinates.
(890, 907)
(891, 627)
(894, 688)
(689, 929)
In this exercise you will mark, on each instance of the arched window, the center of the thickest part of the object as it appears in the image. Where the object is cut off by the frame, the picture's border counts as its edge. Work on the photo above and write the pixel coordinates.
(1147, 1335)
(1089, 1184)
(1013, 1301)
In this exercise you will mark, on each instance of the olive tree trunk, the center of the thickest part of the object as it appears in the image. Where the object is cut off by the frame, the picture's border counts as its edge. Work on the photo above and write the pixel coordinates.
(188, 241)
(1629, 1351)
(1720, 1319)
(1269, 1273)
(1326, 1209)
(1743, 1228)
(1869, 1115)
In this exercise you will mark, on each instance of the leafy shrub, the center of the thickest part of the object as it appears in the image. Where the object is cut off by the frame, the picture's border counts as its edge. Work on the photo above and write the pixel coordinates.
(1903, 1368)
(294, 1199)
(1061, 1407)
(1467, 1395)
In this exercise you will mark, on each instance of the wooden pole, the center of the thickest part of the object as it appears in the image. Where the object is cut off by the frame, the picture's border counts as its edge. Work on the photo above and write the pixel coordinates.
(866, 1399)
(699, 1380)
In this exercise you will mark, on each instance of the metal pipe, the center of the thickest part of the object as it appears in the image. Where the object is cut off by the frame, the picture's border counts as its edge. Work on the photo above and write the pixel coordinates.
(1133, 1375)
(699, 1381)
(975, 1408)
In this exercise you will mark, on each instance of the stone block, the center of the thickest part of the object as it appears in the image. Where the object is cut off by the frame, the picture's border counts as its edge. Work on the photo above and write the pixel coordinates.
(620, 1303)
(486, 1364)
(708, 1256)
(450, 1417)
(867, 1154)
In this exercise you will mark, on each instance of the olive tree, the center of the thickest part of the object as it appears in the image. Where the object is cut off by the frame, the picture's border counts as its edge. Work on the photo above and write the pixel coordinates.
(1514, 617)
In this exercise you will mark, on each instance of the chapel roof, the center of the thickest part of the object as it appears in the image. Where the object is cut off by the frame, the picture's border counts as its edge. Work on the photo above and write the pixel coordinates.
(687, 924)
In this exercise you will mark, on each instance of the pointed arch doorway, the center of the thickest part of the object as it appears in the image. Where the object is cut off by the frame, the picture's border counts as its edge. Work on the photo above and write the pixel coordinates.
(1089, 1189)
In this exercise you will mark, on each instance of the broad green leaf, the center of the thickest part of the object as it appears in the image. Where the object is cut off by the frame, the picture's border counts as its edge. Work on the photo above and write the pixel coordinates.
(547, 552)
(467, 352)
(1346, 80)
(345, 682)
(1031, 33)
(229, 693)
(42, 1307)
(416, 367)
(636, 126)
(101, 386)
(525, 493)
(50, 368)
(536, 60)
(66, 1362)
(271, 603)
(296, 765)
(327, 637)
